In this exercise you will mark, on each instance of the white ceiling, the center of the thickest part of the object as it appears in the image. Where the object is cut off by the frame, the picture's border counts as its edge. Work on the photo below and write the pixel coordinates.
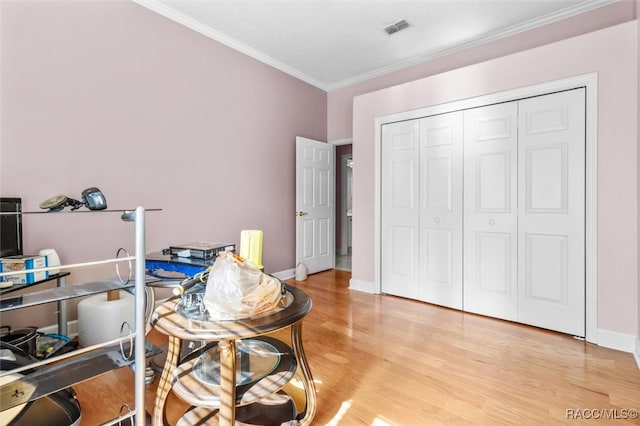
(334, 43)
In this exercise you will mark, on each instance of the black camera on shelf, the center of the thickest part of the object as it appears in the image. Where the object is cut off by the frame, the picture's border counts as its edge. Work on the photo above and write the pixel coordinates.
(92, 198)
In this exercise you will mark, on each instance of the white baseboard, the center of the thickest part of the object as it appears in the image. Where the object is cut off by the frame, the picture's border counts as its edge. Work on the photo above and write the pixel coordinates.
(285, 275)
(618, 341)
(365, 286)
(72, 329)
(636, 354)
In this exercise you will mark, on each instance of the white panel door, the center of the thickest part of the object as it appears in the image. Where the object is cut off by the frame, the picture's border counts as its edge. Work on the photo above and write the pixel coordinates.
(440, 251)
(551, 243)
(315, 204)
(490, 210)
(400, 208)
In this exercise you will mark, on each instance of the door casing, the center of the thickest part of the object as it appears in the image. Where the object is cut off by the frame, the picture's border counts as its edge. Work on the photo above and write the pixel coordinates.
(590, 83)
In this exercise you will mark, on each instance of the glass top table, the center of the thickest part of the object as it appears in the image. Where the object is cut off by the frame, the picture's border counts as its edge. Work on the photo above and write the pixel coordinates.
(226, 386)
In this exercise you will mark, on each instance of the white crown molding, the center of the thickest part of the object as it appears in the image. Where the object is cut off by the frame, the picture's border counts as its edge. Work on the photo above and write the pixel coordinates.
(194, 25)
(458, 47)
(207, 31)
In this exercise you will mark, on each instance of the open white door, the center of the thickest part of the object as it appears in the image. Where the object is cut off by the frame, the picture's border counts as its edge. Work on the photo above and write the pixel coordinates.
(315, 199)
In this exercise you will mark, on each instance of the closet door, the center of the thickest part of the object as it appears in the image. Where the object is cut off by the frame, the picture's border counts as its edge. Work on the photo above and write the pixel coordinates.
(551, 243)
(440, 256)
(400, 208)
(490, 210)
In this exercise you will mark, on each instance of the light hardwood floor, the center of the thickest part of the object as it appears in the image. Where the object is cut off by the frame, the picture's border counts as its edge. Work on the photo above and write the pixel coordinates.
(382, 360)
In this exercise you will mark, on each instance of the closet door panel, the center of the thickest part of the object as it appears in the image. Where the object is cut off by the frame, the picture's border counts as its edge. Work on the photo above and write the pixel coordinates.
(493, 182)
(490, 213)
(552, 213)
(493, 262)
(546, 178)
(400, 208)
(441, 140)
(545, 260)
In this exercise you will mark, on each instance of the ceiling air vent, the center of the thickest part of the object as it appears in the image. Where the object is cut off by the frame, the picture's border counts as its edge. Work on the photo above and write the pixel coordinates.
(396, 26)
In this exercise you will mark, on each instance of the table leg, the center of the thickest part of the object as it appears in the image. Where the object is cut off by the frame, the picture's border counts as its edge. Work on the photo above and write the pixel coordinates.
(227, 414)
(164, 385)
(307, 378)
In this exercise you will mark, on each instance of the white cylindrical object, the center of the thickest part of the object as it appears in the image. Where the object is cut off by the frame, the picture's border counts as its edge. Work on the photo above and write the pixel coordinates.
(99, 319)
(52, 259)
(301, 272)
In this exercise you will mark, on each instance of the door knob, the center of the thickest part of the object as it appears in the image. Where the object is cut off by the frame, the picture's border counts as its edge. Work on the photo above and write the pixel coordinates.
(301, 213)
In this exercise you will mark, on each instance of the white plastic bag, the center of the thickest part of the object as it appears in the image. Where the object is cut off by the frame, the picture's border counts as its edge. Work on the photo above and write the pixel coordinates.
(237, 289)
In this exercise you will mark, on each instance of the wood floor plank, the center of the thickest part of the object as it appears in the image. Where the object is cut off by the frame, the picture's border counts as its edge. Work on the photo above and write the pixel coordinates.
(382, 360)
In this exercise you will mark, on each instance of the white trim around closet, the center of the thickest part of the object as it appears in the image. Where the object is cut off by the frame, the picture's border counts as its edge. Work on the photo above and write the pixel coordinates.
(590, 82)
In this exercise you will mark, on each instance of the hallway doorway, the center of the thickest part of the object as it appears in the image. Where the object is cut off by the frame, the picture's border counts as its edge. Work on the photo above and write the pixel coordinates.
(344, 169)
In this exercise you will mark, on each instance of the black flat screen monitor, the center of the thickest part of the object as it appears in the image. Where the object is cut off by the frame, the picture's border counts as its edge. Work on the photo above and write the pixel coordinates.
(10, 226)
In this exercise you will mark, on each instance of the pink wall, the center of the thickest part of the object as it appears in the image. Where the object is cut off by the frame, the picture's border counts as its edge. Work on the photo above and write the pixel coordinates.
(612, 53)
(110, 94)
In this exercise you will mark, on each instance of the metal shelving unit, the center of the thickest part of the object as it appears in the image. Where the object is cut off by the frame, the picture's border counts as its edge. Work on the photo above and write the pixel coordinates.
(6, 304)
(55, 373)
